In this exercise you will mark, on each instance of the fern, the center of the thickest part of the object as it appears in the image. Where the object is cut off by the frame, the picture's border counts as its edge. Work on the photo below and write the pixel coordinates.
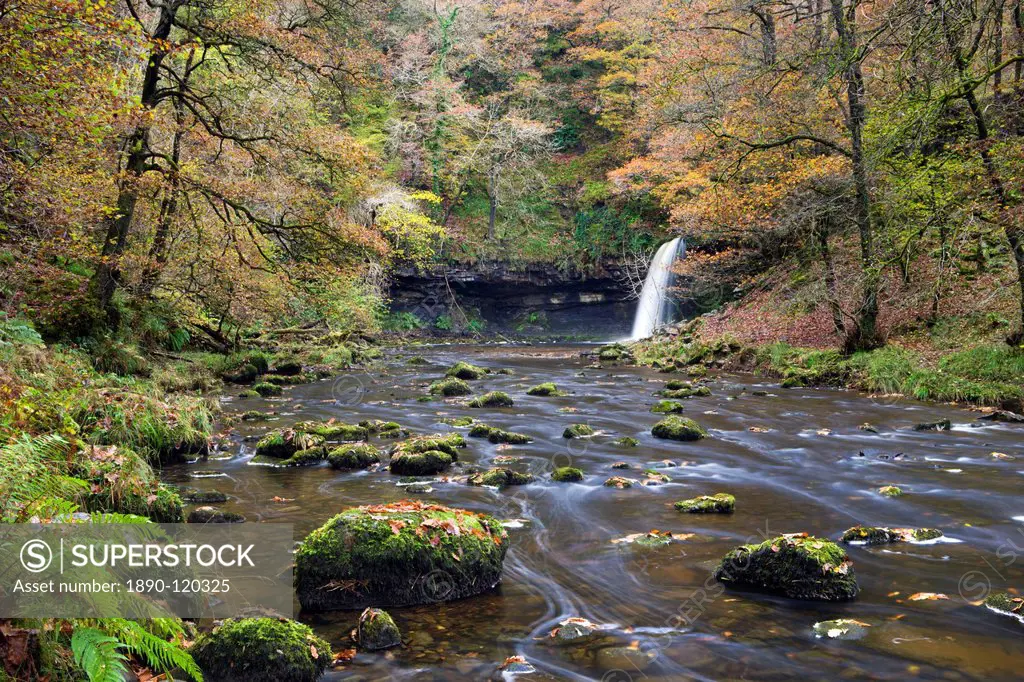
(99, 655)
(160, 654)
(32, 476)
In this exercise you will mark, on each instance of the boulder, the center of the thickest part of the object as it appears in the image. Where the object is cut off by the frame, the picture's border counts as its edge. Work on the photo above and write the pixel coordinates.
(377, 630)
(619, 482)
(445, 442)
(426, 463)
(464, 370)
(261, 650)
(509, 437)
(719, 503)
(450, 387)
(399, 554)
(578, 431)
(492, 399)
(872, 535)
(332, 430)
(283, 443)
(667, 407)
(941, 425)
(350, 457)
(1006, 604)
(890, 491)
(797, 566)
(212, 515)
(499, 478)
(203, 496)
(678, 428)
(266, 389)
(567, 475)
(547, 389)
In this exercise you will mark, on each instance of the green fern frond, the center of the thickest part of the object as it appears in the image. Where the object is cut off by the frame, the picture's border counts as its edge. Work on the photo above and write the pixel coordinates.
(162, 655)
(99, 655)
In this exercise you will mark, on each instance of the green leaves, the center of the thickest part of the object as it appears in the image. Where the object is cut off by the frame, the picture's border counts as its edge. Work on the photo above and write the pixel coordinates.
(99, 655)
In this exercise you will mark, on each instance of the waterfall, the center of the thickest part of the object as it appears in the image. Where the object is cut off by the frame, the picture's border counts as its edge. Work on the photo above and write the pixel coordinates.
(654, 307)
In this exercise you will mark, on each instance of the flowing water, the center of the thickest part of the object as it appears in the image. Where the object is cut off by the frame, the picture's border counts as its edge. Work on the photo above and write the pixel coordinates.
(797, 460)
(655, 305)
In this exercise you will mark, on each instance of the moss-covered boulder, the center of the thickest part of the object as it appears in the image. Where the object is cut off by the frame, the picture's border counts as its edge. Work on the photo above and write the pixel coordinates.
(261, 650)
(492, 399)
(1006, 604)
(426, 463)
(874, 535)
(445, 442)
(508, 437)
(627, 442)
(683, 393)
(255, 416)
(450, 387)
(376, 426)
(377, 630)
(615, 352)
(619, 482)
(350, 457)
(288, 367)
(797, 566)
(466, 371)
(567, 475)
(719, 503)
(334, 431)
(479, 430)
(196, 496)
(267, 389)
(547, 389)
(283, 443)
(121, 481)
(399, 554)
(941, 425)
(499, 478)
(458, 422)
(417, 360)
(678, 385)
(678, 428)
(578, 431)
(890, 491)
(213, 515)
(305, 458)
(667, 407)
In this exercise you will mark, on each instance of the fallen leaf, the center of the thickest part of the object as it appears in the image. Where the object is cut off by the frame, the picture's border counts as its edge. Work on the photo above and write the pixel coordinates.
(927, 596)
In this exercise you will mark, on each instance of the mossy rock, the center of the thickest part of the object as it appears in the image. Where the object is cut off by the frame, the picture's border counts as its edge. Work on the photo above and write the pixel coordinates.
(305, 458)
(458, 421)
(466, 371)
(547, 389)
(417, 360)
(213, 515)
(567, 475)
(941, 425)
(426, 463)
(1006, 604)
(283, 443)
(890, 491)
(122, 482)
(492, 399)
(719, 503)
(262, 650)
(679, 385)
(287, 368)
(255, 416)
(619, 482)
(793, 382)
(249, 394)
(375, 426)
(196, 496)
(393, 434)
(445, 442)
(350, 457)
(449, 387)
(499, 478)
(627, 442)
(797, 566)
(667, 407)
(578, 431)
(399, 554)
(508, 437)
(479, 430)
(333, 431)
(267, 390)
(615, 352)
(376, 630)
(683, 393)
(873, 535)
(678, 428)
(246, 374)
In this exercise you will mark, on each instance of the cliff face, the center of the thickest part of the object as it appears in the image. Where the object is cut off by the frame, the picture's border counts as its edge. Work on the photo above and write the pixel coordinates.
(537, 299)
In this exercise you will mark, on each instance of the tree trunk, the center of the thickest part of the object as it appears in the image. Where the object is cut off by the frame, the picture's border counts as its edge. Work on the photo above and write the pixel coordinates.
(821, 230)
(108, 273)
(864, 334)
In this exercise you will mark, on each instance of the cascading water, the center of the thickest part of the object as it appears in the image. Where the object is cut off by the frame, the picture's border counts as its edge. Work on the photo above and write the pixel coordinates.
(654, 307)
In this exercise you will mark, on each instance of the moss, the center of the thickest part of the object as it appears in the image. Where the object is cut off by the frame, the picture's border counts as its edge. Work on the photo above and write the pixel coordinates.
(305, 458)
(683, 393)
(615, 352)
(793, 382)
(255, 416)
(492, 399)
(796, 566)
(667, 407)
(458, 421)
(619, 482)
(890, 491)
(333, 431)
(399, 554)
(500, 478)
(445, 442)
(267, 390)
(283, 443)
(479, 430)
(1006, 604)
(678, 428)
(872, 535)
(719, 503)
(376, 630)
(578, 431)
(375, 426)
(678, 385)
(262, 650)
(213, 515)
(417, 360)
(567, 475)
(349, 457)
(464, 370)
(941, 425)
(546, 389)
(248, 394)
(204, 496)
(510, 437)
(246, 374)
(420, 463)
(627, 442)
(121, 481)
(450, 387)
(291, 379)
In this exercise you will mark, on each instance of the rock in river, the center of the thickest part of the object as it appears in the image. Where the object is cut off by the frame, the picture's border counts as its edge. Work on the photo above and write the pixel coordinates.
(796, 566)
(719, 503)
(399, 554)
(492, 399)
(377, 630)
(261, 650)
(870, 535)
(678, 428)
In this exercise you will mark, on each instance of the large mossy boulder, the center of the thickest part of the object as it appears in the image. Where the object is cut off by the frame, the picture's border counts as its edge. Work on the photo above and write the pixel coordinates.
(1006, 604)
(578, 431)
(797, 566)
(466, 371)
(351, 457)
(283, 443)
(377, 630)
(499, 478)
(445, 442)
(399, 554)
(267, 389)
(203, 515)
(121, 481)
(492, 399)
(547, 389)
(667, 407)
(450, 387)
(508, 437)
(678, 428)
(719, 503)
(426, 463)
(567, 475)
(261, 650)
(874, 535)
(333, 431)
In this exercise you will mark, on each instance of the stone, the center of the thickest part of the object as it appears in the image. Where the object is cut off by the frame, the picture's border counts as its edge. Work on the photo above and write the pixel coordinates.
(261, 650)
(719, 503)
(376, 630)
